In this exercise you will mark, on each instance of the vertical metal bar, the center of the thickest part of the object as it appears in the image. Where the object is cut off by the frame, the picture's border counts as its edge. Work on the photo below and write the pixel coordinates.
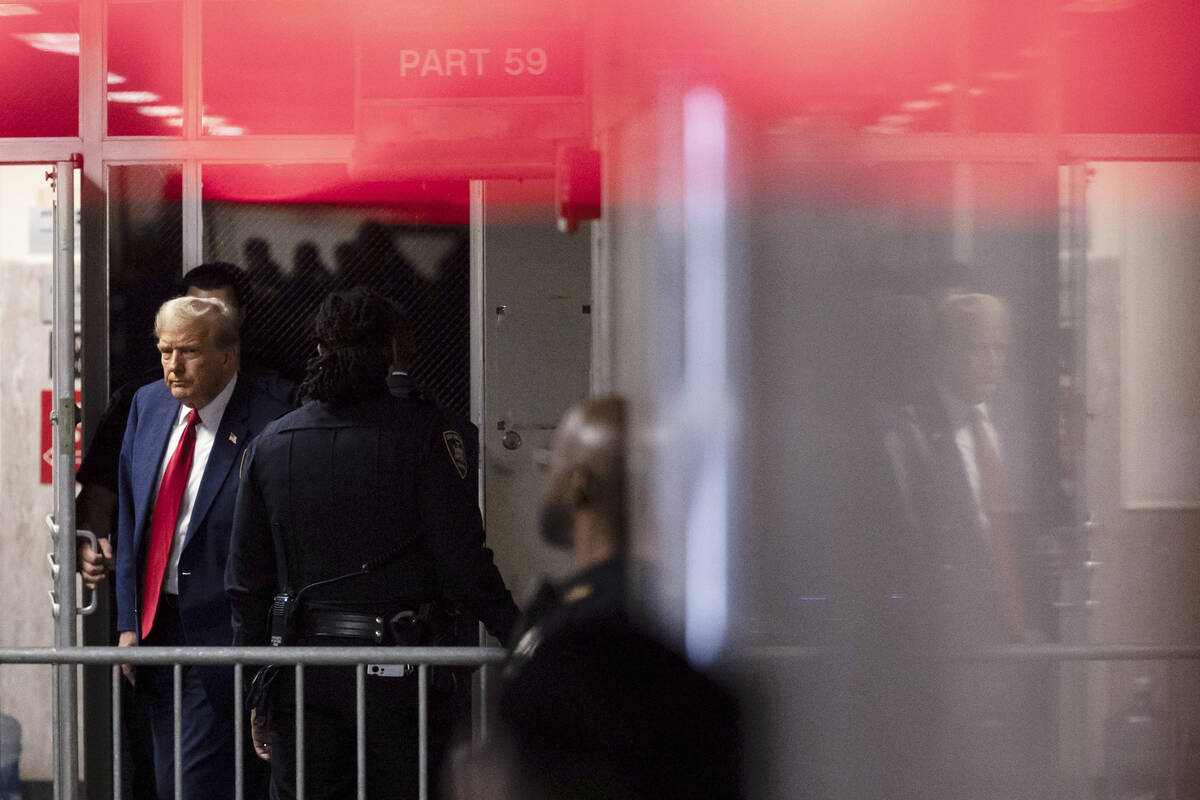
(1074, 708)
(1077, 254)
(963, 212)
(193, 216)
(54, 734)
(239, 734)
(478, 298)
(193, 128)
(177, 727)
(423, 731)
(1173, 731)
(299, 732)
(93, 327)
(116, 731)
(360, 729)
(478, 394)
(601, 286)
(67, 750)
(480, 707)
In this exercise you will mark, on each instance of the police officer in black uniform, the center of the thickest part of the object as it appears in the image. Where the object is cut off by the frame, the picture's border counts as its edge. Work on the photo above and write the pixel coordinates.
(592, 706)
(358, 508)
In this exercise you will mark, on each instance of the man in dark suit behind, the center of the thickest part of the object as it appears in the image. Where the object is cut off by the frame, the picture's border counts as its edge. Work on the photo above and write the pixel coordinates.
(178, 480)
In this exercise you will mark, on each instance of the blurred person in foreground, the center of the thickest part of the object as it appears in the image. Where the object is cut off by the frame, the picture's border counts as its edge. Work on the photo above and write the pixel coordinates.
(357, 508)
(591, 706)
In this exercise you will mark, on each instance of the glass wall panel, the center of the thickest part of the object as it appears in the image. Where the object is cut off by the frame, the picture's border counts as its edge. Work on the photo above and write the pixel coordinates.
(145, 258)
(302, 231)
(902, 478)
(145, 69)
(278, 67)
(39, 69)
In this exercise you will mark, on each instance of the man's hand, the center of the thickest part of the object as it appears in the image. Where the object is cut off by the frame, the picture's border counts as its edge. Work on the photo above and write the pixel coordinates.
(260, 735)
(93, 566)
(128, 639)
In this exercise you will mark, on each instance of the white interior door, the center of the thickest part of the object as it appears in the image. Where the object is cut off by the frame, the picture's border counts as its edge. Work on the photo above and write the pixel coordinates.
(537, 348)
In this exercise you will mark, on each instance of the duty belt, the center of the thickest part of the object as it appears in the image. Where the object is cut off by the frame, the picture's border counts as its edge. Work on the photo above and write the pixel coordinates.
(343, 625)
(348, 625)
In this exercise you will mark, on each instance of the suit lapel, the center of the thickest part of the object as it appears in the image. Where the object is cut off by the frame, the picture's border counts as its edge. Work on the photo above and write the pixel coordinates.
(230, 440)
(150, 445)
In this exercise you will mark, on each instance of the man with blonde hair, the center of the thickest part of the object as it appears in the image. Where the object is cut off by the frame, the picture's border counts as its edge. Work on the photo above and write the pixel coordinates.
(178, 480)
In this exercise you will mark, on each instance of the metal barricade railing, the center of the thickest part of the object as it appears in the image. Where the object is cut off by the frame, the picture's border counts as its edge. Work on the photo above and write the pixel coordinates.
(238, 658)
(425, 657)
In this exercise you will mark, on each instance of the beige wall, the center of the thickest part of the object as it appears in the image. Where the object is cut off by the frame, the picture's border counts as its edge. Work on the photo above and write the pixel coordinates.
(24, 541)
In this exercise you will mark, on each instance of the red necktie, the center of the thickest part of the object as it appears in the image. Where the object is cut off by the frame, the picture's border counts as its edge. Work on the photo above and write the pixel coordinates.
(162, 522)
(994, 497)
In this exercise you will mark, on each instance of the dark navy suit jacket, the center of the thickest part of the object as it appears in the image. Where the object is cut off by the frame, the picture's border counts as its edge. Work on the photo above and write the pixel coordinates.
(203, 607)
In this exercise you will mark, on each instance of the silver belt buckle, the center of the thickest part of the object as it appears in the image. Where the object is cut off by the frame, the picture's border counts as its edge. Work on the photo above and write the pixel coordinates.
(390, 670)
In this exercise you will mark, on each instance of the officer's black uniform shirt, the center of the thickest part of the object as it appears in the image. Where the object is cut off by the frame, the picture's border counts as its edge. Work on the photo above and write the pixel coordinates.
(342, 486)
(404, 386)
(597, 708)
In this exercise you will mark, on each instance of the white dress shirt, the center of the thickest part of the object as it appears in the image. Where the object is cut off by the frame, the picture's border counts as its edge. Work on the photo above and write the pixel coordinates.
(206, 432)
(960, 415)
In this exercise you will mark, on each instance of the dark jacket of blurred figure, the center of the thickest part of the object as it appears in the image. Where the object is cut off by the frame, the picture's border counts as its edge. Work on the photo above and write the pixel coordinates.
(591, 706)
(357, 475)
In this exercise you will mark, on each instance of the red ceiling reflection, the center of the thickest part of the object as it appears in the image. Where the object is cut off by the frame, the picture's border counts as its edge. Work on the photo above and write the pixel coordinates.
(452, 75)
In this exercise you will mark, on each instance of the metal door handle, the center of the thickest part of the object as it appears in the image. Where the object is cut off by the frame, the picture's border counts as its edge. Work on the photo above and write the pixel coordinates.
(90, 608)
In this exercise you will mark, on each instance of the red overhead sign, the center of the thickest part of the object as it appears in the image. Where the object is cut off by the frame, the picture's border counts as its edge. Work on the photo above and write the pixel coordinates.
(464, 64)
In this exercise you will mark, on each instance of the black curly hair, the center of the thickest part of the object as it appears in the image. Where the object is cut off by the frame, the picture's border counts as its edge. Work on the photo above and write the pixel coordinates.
(354, 329)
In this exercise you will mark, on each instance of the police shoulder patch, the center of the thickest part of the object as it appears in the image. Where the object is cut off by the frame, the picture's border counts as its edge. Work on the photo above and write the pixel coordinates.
(457, 450)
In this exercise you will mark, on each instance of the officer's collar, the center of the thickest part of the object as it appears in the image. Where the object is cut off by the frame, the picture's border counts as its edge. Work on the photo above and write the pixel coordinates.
(404, 386)
(605, 577)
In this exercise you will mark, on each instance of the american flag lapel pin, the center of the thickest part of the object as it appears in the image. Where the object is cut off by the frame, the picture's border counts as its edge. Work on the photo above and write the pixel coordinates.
(233, 438)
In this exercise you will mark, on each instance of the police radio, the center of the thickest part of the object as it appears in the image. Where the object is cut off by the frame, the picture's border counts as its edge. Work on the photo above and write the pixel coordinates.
(283, 619)
(285, 608)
